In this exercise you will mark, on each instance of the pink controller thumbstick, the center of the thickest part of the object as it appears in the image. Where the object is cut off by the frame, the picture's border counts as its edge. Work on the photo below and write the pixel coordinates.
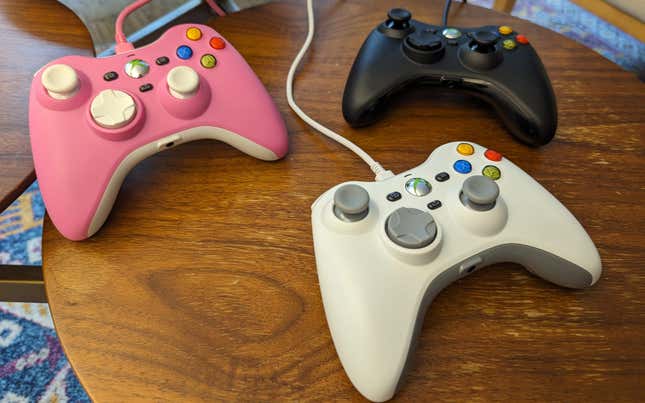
(60, 81)
(183, 82)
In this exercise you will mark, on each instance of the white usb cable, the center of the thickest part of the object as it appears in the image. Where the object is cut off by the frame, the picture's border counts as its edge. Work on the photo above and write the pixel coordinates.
(380, 172)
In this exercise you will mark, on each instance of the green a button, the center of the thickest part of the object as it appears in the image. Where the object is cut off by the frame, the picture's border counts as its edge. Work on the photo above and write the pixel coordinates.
(208, 61)
(492, 172)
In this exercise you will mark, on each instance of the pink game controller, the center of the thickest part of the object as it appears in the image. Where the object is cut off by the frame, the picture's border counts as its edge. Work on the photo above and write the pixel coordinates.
(92, 120)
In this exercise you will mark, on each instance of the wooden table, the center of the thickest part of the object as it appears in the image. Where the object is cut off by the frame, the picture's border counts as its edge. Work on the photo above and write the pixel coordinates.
(34, 33)
(31, 42)
(202, 284)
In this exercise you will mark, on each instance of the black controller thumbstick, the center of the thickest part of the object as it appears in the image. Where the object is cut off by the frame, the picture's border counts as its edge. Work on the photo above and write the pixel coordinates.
(483, 42)
(481, 52)
(398, 18)
(424, 46)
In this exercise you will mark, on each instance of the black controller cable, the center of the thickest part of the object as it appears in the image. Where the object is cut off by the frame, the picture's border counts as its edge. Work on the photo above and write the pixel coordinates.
(446, 10)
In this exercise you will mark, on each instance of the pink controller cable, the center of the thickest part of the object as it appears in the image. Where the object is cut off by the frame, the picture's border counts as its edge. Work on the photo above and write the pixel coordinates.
(122, 44)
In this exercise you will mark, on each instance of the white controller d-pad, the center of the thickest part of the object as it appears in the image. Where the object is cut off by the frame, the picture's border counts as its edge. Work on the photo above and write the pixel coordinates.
(411, 228)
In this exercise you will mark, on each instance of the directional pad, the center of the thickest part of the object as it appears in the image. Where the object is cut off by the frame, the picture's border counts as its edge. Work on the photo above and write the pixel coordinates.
(113, 109)
(411, 228)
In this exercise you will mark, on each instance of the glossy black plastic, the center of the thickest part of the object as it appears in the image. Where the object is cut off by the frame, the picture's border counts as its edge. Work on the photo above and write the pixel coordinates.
(399, 55)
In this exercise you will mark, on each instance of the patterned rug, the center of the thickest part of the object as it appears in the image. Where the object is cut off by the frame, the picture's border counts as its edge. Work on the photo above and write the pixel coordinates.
(33, 367)
(582, 26)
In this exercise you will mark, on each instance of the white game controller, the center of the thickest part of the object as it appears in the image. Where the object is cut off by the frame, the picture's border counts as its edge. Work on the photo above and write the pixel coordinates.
(385, 249)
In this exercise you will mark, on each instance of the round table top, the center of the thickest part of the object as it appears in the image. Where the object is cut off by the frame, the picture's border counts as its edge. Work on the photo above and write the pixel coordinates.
(28, 44)
(202, 283)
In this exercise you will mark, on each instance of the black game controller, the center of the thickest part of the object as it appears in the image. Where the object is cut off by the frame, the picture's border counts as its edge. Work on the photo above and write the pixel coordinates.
(492, 62)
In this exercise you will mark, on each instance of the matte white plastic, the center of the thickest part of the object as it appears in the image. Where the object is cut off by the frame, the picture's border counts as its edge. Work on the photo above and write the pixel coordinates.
(375, 292)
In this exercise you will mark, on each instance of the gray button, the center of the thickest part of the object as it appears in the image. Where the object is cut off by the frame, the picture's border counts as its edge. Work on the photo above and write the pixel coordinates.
(479, 193)
(351, 203)
(411, 228)
(418, 186)
(451, 33)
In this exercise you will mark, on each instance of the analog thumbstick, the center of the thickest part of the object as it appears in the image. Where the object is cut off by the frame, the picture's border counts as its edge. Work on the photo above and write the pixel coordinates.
(398, 18)
(481, 52)
(60, 81)
(479, 193)
(351, 203)
(484, 41)
(183, 82)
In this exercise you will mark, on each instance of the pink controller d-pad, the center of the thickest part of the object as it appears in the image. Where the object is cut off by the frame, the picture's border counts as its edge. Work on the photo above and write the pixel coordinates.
(92, 120)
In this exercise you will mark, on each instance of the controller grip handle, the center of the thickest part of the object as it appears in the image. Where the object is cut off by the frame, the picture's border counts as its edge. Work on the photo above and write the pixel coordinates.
(578, 273)
(529, 112)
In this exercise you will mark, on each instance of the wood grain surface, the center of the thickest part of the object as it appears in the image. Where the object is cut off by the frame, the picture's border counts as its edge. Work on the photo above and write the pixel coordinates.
(202, 284)
(33, 33)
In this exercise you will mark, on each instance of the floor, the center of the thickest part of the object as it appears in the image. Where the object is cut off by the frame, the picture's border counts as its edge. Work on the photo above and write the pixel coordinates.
(33, 366)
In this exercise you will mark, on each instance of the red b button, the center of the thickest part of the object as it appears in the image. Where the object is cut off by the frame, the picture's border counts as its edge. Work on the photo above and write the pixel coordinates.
(522, 39)
(217, 43)
(493, 155)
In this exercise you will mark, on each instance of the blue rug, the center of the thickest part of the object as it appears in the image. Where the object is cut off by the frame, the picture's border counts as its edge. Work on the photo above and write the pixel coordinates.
(33, 367)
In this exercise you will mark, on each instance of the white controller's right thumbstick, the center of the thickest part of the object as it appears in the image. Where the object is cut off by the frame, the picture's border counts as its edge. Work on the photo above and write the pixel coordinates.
(479, 193)
(183, 82)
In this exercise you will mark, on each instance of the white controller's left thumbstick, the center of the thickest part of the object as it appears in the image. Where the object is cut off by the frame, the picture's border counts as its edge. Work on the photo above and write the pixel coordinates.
(60, 81)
